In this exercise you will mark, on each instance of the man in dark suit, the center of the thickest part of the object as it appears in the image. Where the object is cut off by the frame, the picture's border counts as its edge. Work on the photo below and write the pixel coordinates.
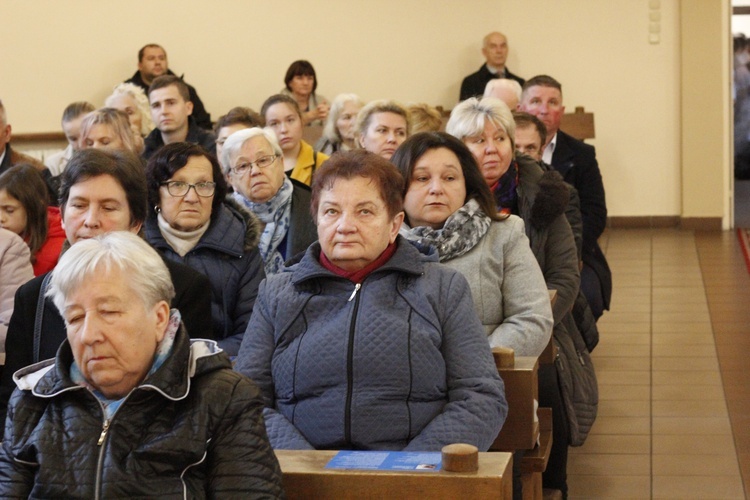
(576, 162)
(495, 51)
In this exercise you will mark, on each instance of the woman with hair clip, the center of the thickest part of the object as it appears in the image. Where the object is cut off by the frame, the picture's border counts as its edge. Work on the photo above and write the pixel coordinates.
(24, 210)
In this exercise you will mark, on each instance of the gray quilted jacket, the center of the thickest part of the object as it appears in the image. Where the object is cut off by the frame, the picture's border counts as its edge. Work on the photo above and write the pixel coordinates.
(401, 362)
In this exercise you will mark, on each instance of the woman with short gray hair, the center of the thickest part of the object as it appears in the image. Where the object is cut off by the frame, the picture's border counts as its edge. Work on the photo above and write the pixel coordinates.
(144, 411)
(252, 160)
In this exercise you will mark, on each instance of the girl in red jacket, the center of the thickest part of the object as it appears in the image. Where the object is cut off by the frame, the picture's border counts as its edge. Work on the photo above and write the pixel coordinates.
(24, 210)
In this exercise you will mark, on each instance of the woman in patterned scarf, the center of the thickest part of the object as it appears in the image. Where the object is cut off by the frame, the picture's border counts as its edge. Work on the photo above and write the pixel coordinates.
(449, 205)
(252, 162)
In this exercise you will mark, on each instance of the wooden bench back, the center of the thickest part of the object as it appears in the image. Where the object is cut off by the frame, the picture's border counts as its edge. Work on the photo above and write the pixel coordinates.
(305, 476)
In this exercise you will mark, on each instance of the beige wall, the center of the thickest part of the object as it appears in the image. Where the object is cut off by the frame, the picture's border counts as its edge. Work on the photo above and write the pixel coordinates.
(706, 147)
(236, 52)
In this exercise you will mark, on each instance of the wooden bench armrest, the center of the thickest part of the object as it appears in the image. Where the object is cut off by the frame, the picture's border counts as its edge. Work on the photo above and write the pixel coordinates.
(536, 459)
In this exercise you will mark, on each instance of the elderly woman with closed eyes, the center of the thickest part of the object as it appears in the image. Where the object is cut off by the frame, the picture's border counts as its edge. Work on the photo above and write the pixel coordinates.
(255, 169)
(130, 407)
(193, 222)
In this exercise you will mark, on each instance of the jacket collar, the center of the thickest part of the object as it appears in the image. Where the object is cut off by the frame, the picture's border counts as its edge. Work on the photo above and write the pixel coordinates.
(50, 378)
(408, 259)
(234, 231)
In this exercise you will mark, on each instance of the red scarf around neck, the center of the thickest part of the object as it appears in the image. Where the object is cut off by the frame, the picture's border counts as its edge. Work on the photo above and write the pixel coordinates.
(359, 275)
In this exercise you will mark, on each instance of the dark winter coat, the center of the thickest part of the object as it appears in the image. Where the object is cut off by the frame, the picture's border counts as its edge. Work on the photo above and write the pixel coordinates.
(227, 254)
(576, 162)
(196, 135)
(474, 84)
(400, 363)
(542, 201)
(192, 429)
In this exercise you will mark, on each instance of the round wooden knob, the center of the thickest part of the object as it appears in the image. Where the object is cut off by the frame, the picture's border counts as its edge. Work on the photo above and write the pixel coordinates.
(460, 457)
(505, 357)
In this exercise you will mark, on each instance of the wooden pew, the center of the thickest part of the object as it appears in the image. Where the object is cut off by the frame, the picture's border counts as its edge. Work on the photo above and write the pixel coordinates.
(579, 124)
(305, 477)
(521, 429)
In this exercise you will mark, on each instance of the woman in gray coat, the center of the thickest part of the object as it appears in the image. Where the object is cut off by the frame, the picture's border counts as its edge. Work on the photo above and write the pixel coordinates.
(448, 205)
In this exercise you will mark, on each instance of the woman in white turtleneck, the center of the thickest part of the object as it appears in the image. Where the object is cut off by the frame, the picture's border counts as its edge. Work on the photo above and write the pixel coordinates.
(192, 222)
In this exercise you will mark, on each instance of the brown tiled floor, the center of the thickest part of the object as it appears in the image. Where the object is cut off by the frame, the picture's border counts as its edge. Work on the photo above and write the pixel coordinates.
(672, 363)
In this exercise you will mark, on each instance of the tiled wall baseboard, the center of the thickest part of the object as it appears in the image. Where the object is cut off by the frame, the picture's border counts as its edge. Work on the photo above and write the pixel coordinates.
(665, 221)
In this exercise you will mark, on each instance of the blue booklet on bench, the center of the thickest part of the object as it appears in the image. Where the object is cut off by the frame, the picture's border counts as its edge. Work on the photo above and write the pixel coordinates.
(387, 460)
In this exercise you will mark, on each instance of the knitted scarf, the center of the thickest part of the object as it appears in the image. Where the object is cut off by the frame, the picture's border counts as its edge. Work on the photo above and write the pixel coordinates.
(462, 230)
(504, 190)
(275, 214)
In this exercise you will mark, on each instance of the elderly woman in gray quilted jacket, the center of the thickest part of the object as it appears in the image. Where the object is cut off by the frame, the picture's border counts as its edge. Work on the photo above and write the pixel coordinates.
(367, 343)
(130, 406)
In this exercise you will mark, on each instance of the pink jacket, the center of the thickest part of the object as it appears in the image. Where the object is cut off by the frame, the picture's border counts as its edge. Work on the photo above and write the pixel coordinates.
(15, 270)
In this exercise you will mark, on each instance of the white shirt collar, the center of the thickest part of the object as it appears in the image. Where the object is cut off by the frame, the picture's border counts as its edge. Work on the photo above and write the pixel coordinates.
(2, 156)
(549, 150)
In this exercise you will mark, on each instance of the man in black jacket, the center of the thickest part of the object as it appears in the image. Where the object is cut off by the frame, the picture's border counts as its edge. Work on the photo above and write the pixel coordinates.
(495, 51)
(576, 162)
(152, 63)
(172, 112)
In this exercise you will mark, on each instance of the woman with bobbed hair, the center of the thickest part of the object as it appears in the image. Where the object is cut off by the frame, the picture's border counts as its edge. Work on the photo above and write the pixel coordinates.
(25, 210)
(252, 163)
(382, 126)
(132, 100)
(520, 186)
(109, 128)
(301, 83)
(449, 206)
(366, 343)
(339, 132)
(191, 221)
(282, 115)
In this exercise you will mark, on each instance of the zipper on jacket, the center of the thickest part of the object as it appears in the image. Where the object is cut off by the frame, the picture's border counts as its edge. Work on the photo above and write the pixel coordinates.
(100, 443)
(105, 428)
(350, 368)
(354, 292)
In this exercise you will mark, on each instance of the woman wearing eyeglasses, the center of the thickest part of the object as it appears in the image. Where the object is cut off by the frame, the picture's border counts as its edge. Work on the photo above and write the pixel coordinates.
(191, 221)
(252, 159)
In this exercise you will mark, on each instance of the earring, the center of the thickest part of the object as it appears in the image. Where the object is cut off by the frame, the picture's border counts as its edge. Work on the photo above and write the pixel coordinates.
(157, 208)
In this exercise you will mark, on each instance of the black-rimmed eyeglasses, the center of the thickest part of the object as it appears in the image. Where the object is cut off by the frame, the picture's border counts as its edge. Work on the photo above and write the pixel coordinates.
(179, 188)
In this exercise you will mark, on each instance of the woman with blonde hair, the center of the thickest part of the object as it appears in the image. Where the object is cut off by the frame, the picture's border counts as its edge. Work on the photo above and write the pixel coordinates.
(382, 126)
(109, 128)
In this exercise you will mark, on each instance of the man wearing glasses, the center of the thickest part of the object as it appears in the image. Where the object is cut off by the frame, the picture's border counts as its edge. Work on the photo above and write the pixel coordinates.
(171, 110)
(253, 163)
